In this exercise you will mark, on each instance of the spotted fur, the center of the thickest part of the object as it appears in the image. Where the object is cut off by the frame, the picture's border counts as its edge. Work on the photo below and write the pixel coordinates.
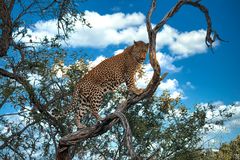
(106, 77)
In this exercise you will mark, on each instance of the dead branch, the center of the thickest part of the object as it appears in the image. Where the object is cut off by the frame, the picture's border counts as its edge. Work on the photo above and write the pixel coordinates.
(211, 36)
(128, 134)
(102, 127)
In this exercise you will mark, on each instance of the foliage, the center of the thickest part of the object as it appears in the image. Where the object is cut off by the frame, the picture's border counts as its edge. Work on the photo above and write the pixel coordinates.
(229, 151)
(165, 128)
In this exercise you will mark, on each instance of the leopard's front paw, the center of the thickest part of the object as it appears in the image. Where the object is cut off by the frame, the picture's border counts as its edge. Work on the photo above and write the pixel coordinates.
(138, 91)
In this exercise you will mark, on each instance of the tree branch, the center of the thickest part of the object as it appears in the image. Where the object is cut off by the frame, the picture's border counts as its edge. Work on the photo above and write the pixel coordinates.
(33, 98)
(12, 114)
(209, 39)
(128, 134)
(6, 27)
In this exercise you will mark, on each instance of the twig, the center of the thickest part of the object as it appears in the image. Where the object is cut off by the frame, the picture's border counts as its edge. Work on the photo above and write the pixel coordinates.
(12, 114)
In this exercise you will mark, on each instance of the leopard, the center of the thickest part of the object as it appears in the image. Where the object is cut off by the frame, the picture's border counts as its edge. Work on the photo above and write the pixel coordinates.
(106, 77)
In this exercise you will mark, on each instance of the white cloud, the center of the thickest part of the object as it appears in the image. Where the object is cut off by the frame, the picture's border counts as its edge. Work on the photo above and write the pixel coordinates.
(166, 62)
(189, 85)
(222, 109)
(34, 79)
(189, 43)
(118, 52)
(171, 85)
(108, 29)
(116, 21)
(94, 63)
(40, 30)
(120, 28)
(166, 36)
(182, 44)
(217, 131)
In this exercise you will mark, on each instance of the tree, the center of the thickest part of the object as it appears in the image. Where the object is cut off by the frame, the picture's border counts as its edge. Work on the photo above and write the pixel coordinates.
(36, 131)
(226, 151)
(230, 151)
(20, 62)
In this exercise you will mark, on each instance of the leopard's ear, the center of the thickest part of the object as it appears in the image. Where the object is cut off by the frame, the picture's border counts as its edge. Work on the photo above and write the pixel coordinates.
(134, 42)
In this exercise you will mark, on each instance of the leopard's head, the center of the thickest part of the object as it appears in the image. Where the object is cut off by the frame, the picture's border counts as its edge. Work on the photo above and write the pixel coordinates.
(139, 51)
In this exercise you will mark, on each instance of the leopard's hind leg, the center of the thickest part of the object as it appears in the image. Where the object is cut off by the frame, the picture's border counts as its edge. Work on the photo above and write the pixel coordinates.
(79, 103)
(81, 111)
(96, 102)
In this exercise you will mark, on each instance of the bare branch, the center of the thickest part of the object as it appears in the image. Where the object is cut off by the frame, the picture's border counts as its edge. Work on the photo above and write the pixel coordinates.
(149, 15)
(209, 39)
(12, 114)
(174, 10)
(24, 12)
(128, 134)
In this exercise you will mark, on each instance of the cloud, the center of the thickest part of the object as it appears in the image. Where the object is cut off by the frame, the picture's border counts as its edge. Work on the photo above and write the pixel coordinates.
(166, 62)
(38, 31)
(222, 109)
(189, 43)
(172, 85)
(119, 28)
(95, 62)
(182, 44)
(108, 29)
(34, 79)
(118, 52)
(229, 128)
(188, 85)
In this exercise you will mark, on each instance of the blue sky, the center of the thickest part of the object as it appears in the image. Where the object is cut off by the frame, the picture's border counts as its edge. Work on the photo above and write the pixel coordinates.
(196, 73)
